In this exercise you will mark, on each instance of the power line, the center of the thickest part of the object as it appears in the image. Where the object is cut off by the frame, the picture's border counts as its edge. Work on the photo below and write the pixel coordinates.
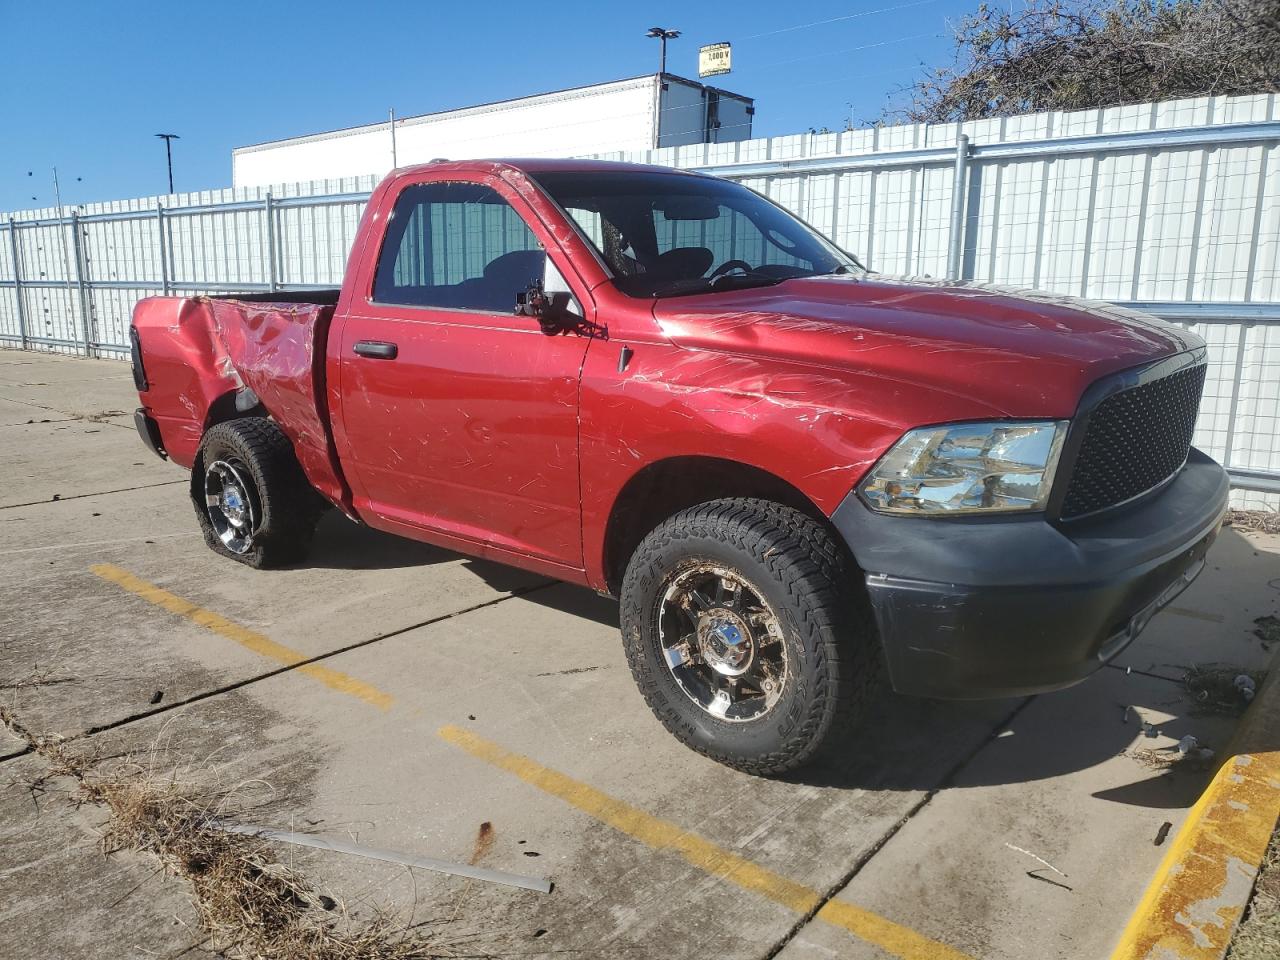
(851, 16)
(836, 53)
(845, 79)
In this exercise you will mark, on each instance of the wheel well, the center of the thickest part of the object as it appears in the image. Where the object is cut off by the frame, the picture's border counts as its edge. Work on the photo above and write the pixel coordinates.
(669, 486)
(233, 405)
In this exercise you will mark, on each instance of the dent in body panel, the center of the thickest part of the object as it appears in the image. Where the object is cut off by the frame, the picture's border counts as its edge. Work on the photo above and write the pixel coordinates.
(1024, 355)
(817, 428)
(214, 347)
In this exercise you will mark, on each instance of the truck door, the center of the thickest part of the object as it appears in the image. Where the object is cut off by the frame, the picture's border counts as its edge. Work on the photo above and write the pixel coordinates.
(460, 419)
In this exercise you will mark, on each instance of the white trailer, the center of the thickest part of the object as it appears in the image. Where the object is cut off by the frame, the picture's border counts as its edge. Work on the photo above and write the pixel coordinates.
(657, 110)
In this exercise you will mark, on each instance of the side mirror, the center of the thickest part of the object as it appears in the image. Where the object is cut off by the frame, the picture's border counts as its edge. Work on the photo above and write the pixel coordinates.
(550, 301)
(553, 311)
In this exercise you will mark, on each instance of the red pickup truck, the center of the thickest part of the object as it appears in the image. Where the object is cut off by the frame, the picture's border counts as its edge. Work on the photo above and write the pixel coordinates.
(798, 476)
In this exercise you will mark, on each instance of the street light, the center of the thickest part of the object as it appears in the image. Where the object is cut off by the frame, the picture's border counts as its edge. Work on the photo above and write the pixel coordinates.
(168, 139)
(663, 34)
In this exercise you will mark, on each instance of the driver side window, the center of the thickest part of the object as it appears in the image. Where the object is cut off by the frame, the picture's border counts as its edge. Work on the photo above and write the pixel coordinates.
(456, 246)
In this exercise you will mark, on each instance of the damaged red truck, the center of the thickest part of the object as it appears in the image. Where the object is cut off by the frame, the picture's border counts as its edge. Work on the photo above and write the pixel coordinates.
(798, 477)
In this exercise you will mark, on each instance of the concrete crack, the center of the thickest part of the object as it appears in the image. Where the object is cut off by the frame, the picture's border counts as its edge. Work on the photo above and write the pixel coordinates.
(100, 493)
(268, 674)
(843, 882)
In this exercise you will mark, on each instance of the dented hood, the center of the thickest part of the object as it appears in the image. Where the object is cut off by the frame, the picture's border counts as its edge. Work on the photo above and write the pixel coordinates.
(1023, 353)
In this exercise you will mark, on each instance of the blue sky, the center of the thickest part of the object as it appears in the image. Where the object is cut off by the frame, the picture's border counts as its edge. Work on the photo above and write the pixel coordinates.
(86, 85)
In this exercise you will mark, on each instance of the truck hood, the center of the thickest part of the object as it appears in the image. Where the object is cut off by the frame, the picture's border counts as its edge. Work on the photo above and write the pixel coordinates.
(1022, 353)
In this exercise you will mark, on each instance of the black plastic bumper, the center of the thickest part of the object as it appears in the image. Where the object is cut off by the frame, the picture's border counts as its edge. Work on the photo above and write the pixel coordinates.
(149, 431)
(976, 608)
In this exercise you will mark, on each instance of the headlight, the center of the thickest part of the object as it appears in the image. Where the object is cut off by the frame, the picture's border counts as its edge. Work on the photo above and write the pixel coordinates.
(967, 468)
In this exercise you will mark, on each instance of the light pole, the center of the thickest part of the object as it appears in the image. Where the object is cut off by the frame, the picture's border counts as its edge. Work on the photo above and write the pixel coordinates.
(168, 139)
(663, 34)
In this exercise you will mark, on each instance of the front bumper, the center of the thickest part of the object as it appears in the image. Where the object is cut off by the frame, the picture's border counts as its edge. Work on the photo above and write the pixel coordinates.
(993, 607)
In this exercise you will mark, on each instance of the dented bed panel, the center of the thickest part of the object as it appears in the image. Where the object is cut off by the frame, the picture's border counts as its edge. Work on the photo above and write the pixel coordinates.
(183, 369)
(200, 351)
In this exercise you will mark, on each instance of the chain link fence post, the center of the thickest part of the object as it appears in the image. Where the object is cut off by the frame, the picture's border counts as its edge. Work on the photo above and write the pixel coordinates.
(269, 209)
(162, 238)
(82, 268)
(960, 183)
(17, 282)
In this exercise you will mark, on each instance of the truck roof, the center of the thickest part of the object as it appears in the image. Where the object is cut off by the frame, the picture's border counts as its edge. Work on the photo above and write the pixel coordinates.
(535, 165)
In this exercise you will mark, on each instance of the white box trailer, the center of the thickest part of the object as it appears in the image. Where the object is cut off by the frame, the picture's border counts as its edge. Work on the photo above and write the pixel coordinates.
(657, 110)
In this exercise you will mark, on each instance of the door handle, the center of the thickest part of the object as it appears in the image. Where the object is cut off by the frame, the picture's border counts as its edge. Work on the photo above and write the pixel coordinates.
(377, 349)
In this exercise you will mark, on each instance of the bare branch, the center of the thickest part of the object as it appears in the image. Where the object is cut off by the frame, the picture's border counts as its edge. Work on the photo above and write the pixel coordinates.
(1082, 54)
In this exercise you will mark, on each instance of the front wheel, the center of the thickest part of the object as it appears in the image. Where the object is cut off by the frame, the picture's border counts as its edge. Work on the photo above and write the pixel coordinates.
(252, 499)
(748, 635)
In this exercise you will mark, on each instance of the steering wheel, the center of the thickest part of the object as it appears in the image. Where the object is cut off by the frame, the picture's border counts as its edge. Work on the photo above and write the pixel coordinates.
(728, 266)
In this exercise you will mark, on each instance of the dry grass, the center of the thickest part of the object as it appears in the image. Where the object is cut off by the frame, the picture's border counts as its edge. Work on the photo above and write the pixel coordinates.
(246, 898)
(1258, 937)
(1156, 759)
(1263, 521)
(1213, 690)
(248, 901)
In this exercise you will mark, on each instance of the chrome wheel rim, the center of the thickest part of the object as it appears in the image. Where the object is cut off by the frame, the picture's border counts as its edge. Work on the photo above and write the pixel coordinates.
(231, 503)
(722, 643)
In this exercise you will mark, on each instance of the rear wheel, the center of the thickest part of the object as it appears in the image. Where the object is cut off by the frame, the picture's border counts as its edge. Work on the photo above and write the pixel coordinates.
(251, 497)
(748, 635)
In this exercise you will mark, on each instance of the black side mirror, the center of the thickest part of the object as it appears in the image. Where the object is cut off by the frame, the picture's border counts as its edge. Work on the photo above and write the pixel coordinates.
(531, 301)
(550, 310)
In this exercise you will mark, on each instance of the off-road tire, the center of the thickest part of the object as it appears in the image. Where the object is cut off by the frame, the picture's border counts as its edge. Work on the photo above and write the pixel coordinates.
(288, 508)
(813, 588)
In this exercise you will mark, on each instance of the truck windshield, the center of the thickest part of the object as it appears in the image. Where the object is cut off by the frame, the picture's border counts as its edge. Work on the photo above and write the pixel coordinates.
(673, 234)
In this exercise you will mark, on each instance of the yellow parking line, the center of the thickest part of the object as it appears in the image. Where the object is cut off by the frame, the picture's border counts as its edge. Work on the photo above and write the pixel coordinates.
(249, 639)
(893, 938)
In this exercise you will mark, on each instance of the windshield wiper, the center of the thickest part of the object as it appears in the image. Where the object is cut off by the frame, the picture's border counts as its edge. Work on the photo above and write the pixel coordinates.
(696, 285)
(752, 279)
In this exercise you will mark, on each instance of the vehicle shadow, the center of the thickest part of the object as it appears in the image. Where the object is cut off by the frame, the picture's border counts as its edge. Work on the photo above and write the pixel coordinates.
(341, 544)
(578, 602)
(909, 744)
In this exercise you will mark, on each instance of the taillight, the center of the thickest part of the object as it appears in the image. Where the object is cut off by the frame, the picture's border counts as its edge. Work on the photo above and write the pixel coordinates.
(135, 353)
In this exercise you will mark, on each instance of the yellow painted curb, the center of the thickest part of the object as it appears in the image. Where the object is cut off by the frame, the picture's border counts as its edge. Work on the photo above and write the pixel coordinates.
(1201, 888)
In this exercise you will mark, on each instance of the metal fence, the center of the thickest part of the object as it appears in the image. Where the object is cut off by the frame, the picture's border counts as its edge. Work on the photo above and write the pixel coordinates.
(1173, 208)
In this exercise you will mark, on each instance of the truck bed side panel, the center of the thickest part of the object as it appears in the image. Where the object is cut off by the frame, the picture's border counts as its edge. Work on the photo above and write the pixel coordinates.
(198, 351)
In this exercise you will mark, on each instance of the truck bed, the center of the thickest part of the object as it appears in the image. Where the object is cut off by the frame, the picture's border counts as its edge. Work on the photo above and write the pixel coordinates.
(201, 353)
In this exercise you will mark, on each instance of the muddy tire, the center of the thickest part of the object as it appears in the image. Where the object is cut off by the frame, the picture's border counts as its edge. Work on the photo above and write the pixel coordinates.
(251, 497)
(749, 635)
